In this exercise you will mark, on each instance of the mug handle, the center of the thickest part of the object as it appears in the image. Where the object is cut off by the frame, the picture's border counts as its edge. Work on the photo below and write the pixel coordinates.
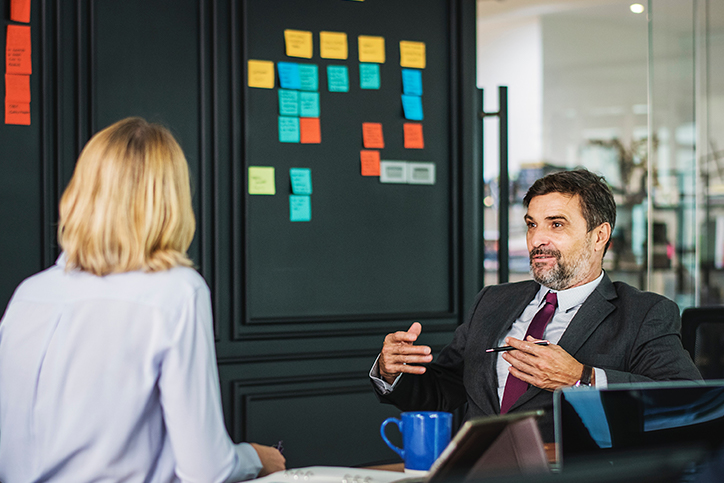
(394, 448)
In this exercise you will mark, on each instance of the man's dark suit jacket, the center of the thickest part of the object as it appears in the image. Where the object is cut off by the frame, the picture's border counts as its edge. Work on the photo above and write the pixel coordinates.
(634, 336)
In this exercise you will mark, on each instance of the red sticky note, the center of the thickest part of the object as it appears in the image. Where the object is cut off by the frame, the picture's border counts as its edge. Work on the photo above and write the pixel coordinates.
(309, 130)
(370, 162)
(20, 11)
(17, 50)
(17, 113)
(17, 88)
(372, 135)
(413, 136)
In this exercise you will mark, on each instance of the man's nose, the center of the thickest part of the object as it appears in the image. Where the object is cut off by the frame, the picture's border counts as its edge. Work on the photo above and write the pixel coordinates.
(538, 238)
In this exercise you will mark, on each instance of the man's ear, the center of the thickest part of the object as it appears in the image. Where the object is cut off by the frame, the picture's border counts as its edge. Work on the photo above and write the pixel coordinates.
(603, 235)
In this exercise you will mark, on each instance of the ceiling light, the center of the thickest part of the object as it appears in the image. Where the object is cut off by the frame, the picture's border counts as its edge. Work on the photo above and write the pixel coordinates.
(637, 8)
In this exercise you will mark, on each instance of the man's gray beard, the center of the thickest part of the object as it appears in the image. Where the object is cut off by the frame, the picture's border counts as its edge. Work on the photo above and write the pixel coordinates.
(563, 275)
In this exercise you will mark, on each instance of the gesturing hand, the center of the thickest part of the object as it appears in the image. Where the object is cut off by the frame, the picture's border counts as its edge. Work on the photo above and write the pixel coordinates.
(548, 367)
(271, 459)
(398, 352)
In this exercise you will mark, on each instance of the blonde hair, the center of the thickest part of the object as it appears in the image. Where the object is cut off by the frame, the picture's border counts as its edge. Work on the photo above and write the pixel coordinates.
(128, 205)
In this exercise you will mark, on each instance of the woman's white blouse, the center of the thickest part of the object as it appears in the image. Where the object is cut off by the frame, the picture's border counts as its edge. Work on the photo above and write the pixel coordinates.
(113, 378)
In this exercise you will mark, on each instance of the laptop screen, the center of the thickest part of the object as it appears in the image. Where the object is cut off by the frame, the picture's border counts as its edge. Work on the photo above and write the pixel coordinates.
(590, 421)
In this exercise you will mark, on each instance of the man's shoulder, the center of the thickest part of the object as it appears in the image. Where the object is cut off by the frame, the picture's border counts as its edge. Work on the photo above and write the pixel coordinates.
(628, 294)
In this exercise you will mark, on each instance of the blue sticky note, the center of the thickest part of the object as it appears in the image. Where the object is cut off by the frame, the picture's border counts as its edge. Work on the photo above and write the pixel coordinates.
(369, 76)
(309, 77)
(337, 78)
(300, 208)
(288, 129)
(412, 82)
(289, 75)
(412, 106)
(301, 179)
(288, 102)
(309, 104)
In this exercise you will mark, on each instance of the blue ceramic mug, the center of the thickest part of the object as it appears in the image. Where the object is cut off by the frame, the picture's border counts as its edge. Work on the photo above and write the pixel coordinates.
(425, 434)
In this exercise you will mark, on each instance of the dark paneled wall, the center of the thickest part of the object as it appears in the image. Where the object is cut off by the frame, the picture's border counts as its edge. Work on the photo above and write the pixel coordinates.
(182, 63)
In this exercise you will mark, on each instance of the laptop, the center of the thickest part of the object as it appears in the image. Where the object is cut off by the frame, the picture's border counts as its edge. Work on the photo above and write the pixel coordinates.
(594, 423)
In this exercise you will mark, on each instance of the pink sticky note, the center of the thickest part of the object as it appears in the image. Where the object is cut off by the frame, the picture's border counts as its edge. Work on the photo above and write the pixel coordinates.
(17, 113)
(413, 135)
(372, 135)
(17, 50)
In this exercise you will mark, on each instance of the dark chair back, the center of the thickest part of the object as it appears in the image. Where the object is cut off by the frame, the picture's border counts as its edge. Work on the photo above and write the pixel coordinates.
(702, 334)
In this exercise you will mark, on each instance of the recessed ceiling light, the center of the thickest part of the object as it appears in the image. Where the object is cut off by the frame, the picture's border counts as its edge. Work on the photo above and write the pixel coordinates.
(637, 8)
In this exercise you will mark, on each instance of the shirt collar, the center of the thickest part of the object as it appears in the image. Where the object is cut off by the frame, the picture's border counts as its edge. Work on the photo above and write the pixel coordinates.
(572, 297)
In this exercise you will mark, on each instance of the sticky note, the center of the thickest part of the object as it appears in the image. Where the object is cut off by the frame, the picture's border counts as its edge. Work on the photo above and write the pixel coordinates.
(412, 82)
(289, 75)
(301, 179)
(337, 78)
(261, 180)
(260, 73)
(370, 161)
(298, 43)
(309, 104)
(288, 102)
(17, 50)
(20, 11)
(17, 88)
(17, 113)
(300, 208)
(369, 76)
(412, 107)
(308, 77)
(333, 45)
(288, 129)
(412, 54)
(413, 135)
(310, 130)
(372, 135)
(371, 49)
(393, 172)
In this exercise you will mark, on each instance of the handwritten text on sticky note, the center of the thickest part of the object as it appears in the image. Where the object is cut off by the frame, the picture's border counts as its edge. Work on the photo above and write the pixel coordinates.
(412, 54)
(260, 73)
(333, 45)
(301, 179)
(298, 43)
(261, 180)
(17, 50)
(372, 135)
(371, 49)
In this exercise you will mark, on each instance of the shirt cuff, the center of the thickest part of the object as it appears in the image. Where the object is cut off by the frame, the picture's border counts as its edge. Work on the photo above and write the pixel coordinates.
(383, 386)
(248, 465)
(601, 379)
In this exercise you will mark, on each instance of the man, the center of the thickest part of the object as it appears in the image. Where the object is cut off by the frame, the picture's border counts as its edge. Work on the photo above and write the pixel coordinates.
(599, 332)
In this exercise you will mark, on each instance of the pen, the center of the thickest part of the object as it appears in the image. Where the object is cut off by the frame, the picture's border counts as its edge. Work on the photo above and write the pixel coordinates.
(279, 447)
(510, 347)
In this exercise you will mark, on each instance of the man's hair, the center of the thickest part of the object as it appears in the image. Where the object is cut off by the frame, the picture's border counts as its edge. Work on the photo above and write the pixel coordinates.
(128, 205)
(597, 203)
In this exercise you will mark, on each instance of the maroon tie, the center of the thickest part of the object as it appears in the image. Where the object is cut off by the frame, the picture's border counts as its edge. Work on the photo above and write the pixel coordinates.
(514, 387)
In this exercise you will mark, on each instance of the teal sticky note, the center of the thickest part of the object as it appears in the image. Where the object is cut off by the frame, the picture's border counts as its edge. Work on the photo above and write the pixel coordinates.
(308, 77)
(309, 104)
(288, 129)
(369, 76)
(412, 82)
(288, 102)
(300, 208)
(412, 107)
(289, 75)
(337, 78)
(301, 179)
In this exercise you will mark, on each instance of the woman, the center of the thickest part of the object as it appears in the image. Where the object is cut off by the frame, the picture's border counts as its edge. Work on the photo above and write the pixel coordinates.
(107, 362)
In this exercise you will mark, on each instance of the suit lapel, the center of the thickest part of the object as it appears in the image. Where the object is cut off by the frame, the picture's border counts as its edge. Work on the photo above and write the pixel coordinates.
(591, 314)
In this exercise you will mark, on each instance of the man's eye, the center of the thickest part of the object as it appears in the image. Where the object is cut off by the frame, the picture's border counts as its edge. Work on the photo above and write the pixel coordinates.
(557, 225)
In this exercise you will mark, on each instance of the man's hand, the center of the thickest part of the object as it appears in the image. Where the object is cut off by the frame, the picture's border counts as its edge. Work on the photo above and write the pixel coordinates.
(548, 367)
(271, 459)
(398, 352)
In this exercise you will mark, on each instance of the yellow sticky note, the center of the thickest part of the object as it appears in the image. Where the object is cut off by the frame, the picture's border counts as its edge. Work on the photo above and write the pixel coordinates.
(412, 54)
(299, 43)
(333, 45)
(261, 74)
(371, 49)
(261, 180)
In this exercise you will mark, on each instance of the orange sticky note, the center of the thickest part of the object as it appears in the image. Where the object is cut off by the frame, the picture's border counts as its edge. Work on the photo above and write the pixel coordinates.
(20, 11)
(370, 160)
(17, 113)
(17, 88)
(309, 130)
(413, 135)
(372, 135)
(17, 50)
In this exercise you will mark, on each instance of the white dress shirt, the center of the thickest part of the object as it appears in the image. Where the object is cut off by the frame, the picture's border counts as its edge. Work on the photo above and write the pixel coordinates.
(569, 301)
(113, 378)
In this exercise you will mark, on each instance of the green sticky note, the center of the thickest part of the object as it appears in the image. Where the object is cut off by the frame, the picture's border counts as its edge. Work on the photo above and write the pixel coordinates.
(309, 104)
(301, 179)
(337, 78)
(309, 77)
(261, 180)
(288, 129)
(369, 76)
(288, 102)
(300, 208)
